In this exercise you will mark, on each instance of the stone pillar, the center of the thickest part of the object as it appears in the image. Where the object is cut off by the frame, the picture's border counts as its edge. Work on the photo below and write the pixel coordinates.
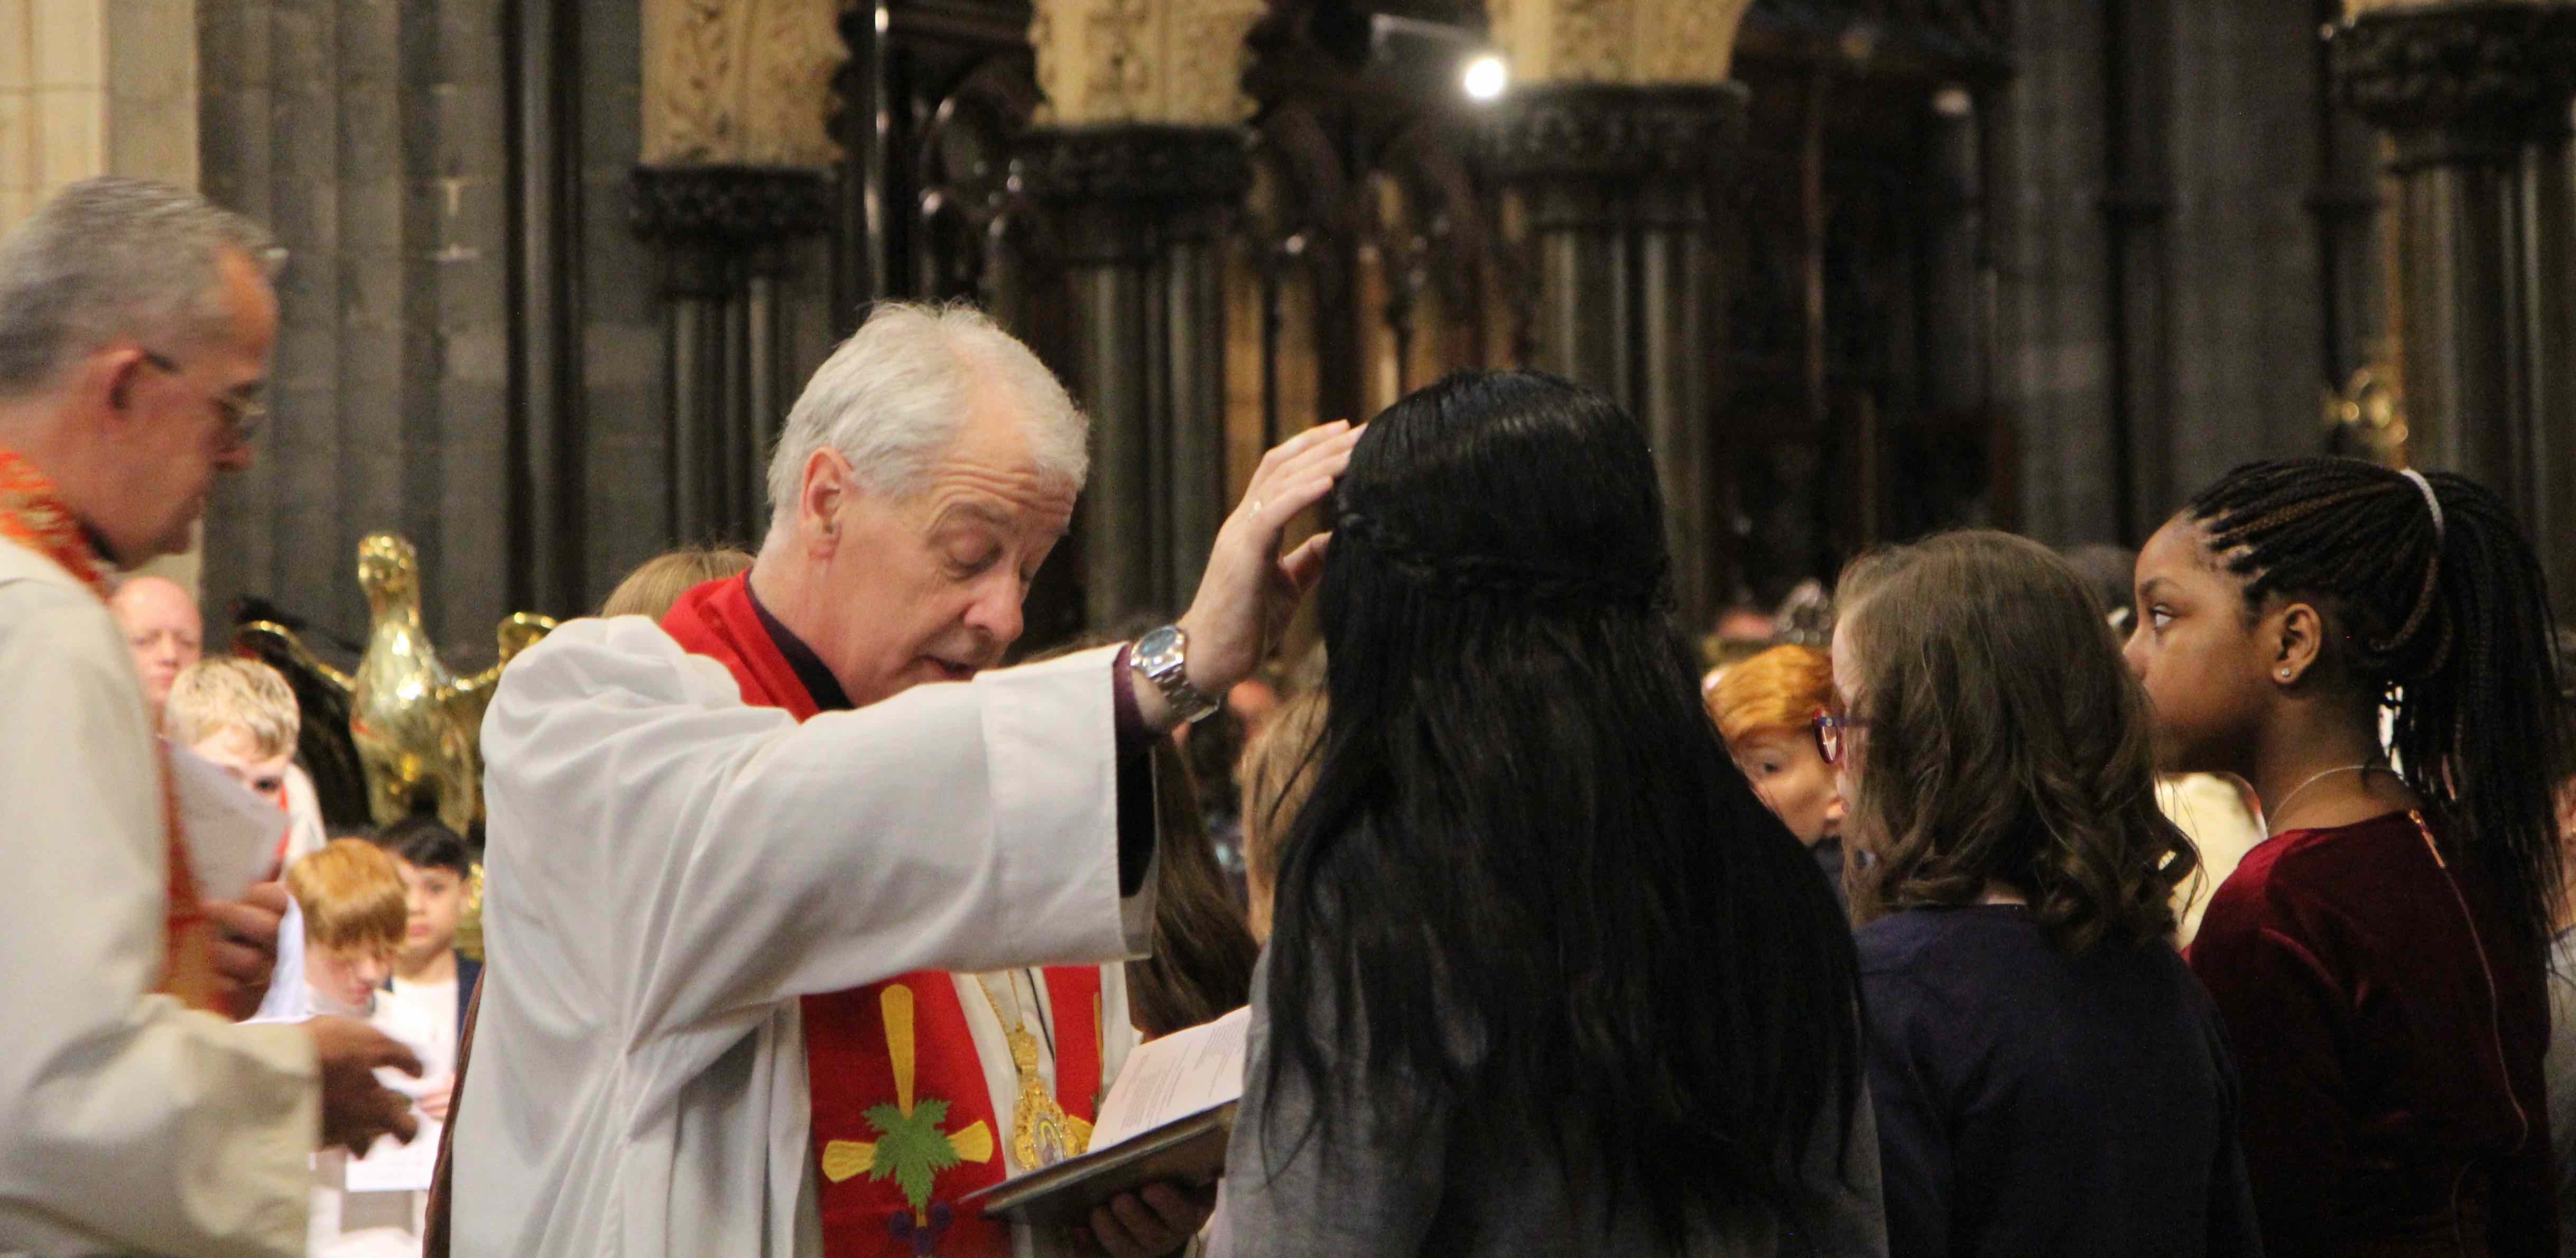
(2476, 98)
(1137, 172)
(1136, 210)
(1612, 150)
(722, 233)
(2344, 201)
(2137, 214)
(735, 154)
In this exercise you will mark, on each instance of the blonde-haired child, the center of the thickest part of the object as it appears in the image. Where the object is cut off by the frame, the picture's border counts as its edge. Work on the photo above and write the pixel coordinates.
(660, 581)
(1275, 774)
(239, 715)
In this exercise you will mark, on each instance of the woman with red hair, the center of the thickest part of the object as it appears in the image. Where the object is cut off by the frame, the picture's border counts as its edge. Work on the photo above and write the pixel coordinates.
(1765, 708)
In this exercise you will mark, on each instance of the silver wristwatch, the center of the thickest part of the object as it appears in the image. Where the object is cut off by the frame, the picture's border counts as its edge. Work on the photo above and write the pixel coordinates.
(1159, 657)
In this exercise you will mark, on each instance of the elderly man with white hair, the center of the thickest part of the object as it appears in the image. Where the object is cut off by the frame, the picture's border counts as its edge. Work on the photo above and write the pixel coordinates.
(730, 855)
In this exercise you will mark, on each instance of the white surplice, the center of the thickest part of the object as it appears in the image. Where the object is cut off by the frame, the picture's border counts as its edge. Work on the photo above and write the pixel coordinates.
(670, 869)
(127, 1123)
(305, 834)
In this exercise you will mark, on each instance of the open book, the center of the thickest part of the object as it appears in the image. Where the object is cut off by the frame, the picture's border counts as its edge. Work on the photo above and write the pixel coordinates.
(1168, 1117)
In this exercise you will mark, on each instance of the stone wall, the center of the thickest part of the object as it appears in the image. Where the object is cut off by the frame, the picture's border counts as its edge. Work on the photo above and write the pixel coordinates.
(430, 378)
(2249, 368)
(369, 137)
(91, 87)
(625, 414)
(2238, 297)
(2053, 334)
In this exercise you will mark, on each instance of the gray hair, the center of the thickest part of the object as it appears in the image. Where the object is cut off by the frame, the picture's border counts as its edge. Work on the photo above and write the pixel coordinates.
(112, 257)
(892, 398)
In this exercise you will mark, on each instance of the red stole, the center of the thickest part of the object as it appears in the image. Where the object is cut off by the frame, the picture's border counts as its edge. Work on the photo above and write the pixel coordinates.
(33, 514)
(902, 1122)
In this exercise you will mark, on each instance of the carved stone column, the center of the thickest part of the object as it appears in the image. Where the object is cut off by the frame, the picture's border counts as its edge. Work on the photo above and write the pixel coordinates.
(722, 232)
(734, 102)
(1136, 170)
(2476, 97)
(2352, 289)
(1135, 212)
(1620, 116)
(1613, 179)
(2137, 213)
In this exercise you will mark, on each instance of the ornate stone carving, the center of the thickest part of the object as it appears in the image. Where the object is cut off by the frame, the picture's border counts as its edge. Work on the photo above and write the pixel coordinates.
(2483, 75)
(1617, 41)
(739, 81)
(1152, 61)
(730, 206)
(1134, 162)
(1613, 131)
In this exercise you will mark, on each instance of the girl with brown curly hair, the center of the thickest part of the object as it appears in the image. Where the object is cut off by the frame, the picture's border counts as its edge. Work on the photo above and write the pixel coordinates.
(2048, 1077)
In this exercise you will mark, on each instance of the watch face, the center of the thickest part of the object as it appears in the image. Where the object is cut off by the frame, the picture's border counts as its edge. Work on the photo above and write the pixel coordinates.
(1155, 648)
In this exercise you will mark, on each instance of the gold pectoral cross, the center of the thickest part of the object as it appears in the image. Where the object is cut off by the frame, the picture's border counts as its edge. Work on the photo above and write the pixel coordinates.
(1042, 1133)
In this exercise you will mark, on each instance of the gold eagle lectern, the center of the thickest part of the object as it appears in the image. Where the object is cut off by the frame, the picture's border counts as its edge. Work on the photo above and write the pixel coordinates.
(414, 724)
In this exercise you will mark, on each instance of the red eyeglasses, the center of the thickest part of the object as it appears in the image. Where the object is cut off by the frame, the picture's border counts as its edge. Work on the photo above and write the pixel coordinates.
(1829, 726)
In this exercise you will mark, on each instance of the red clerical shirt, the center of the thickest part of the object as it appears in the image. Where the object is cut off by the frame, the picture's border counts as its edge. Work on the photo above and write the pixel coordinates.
(2389, 1029)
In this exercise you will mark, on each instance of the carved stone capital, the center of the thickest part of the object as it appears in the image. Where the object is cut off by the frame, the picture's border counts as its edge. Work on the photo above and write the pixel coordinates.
(1118, 191)
(1133, 162)
(1614, 132)
(2460, 82)
(731, 208)
(716, 226)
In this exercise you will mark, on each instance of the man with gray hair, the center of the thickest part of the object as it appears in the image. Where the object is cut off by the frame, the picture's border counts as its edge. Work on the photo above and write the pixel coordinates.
(135, 1116)
(746, 865)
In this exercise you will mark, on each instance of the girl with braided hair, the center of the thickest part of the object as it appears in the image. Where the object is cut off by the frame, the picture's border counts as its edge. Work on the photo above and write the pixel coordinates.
(2380, 958)
(1545, 977)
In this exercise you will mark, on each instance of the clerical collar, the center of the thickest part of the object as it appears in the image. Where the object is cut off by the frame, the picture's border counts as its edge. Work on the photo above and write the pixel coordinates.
(98, 542)
(820, 685)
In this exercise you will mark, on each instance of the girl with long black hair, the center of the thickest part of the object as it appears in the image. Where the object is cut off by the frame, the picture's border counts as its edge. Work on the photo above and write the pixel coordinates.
(2380, 958)
(1546, 978)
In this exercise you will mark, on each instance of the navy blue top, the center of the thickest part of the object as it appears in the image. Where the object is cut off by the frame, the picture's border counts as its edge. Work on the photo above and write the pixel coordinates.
(2033, 1103)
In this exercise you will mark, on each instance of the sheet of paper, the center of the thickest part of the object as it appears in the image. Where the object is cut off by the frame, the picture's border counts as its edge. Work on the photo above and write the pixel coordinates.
(391, 1167)
(1175, 1077)
(232, 834)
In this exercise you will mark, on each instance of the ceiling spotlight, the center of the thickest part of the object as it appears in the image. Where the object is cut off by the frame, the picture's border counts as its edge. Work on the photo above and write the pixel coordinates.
(1485, 77)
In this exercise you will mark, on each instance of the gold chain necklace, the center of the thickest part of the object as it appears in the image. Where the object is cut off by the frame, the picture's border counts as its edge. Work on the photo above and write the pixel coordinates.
(2271, 815)
(1042, 1133)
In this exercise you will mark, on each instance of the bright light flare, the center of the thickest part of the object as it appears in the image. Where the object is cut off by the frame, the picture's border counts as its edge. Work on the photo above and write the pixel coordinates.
(1486, 77)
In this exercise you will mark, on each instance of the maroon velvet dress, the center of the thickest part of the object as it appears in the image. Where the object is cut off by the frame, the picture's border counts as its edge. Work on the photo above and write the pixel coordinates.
(2389, 1031)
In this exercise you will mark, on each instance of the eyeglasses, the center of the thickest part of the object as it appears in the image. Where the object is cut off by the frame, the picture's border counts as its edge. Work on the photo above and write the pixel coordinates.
(241, 416)
(1829, 727)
